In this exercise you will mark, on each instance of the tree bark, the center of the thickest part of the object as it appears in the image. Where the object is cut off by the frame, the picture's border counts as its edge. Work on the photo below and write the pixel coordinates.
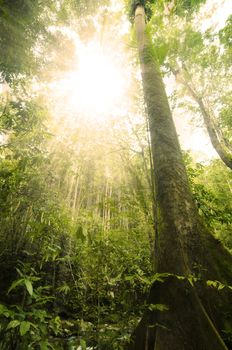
(183, 243)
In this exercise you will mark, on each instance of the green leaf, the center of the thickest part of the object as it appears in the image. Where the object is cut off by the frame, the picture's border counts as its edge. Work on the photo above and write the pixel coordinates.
(16, 284)
(6, 312)
(13, 324)
(19, 272)
(160, 277)
(43, 345)
(43, 329)
(215, 284)
(192, 280)
(64, 289)
(221, 286)
(129, 278)
(24, 327)
(158, 307)
(111, 294)
(83, 344)
(144, 279)
(180, 278)
(28, 286)
(2, 309)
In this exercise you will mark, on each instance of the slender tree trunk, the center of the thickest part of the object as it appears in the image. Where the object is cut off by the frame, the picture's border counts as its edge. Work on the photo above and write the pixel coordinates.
(74, 203)
(70, 190)
(106, 208)
(109, 206)
(182, 243)
(219, 143)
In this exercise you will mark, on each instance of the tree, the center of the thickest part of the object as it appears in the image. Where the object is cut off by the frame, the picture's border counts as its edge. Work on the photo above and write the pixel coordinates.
(200, 63)
(202, 73)
(220, 144)
(26, 35)
(180, 315)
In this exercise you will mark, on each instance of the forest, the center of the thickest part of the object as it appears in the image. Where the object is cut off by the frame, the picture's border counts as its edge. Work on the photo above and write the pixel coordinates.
(115, 174)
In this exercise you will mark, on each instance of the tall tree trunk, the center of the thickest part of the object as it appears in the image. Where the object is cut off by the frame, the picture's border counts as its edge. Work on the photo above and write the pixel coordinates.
(182, 243)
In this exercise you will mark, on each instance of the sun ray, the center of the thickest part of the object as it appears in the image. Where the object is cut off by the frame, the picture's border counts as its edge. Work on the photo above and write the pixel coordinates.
(95, 88)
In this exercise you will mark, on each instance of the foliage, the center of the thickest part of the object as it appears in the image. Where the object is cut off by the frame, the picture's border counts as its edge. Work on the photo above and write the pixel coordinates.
(211, 187)
(225, 34)
(21, 25)
(31, 28)
(28, 324)
(74, 278)
(77, 209)
(201, 64)
(180, 8)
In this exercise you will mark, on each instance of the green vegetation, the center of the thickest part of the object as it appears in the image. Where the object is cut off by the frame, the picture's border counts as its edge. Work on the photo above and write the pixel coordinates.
(79, 214)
